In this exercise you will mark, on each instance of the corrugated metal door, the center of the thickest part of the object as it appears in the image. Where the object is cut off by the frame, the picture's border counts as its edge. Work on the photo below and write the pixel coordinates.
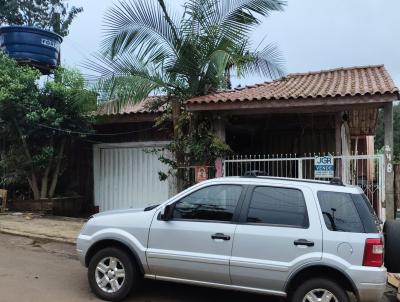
(127, 177)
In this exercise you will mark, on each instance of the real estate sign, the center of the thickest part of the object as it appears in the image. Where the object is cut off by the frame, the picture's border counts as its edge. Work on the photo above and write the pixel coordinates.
(324, 167)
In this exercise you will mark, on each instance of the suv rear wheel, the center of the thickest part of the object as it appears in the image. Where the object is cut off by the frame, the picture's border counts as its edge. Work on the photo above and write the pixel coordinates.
(391, 231)
(322, 290)
(112, 274)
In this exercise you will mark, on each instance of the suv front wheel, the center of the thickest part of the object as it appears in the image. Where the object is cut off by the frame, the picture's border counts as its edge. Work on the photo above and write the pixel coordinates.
(323, 290)
(112, 274)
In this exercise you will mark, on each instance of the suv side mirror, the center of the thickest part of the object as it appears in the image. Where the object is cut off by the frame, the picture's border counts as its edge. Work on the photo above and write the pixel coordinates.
(166, 213)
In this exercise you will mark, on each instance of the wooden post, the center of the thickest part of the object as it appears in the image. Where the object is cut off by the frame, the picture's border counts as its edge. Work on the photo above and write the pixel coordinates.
(397, 187)
(338, 142)
(388, 148)
(219, 128)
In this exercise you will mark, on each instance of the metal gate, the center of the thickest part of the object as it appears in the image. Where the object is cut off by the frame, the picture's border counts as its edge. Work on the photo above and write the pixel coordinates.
(365, 171)
(126, 176)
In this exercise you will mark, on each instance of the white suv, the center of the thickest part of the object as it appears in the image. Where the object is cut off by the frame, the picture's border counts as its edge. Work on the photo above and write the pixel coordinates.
(305, 240)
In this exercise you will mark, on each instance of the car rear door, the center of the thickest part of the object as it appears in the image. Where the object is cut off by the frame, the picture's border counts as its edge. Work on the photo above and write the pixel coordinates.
(196, 244)
(279, 230)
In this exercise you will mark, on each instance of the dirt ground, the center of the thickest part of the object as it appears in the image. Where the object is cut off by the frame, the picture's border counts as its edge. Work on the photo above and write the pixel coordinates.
(40, 271)
(46, 271)
(56, 228)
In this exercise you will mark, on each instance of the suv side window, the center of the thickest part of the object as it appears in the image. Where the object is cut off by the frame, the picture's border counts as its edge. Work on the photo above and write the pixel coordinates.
(340, 213)
(211, 203)
(278, 206)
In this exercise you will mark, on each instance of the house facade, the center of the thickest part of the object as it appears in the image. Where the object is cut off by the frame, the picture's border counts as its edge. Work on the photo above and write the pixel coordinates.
(332, 112)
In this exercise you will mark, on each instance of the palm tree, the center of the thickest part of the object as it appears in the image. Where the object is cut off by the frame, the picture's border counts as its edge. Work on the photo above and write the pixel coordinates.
(148, 49)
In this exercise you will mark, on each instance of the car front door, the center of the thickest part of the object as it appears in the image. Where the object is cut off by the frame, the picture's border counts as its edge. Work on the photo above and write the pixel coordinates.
(196, 243)
(279, 231)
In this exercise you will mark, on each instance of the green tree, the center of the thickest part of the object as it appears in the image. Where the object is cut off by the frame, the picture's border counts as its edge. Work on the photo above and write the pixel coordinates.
(52, 15)
(149, 49)
(31, 119)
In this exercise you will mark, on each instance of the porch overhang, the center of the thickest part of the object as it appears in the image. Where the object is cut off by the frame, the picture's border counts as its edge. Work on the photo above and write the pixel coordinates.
(307, 105)
(147, 110)
(323, 91)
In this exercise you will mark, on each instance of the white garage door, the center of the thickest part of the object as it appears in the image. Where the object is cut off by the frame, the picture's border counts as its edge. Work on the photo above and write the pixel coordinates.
(126, 176)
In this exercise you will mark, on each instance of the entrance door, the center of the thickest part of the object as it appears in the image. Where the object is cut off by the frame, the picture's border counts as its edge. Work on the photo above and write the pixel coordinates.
(279, 231)
(197, 243)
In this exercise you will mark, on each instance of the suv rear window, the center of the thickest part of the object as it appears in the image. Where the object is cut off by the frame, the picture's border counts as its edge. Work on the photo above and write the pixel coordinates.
(278, 206)
(345, 212)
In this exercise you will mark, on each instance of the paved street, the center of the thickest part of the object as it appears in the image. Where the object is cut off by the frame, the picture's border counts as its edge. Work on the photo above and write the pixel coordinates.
(43, 271)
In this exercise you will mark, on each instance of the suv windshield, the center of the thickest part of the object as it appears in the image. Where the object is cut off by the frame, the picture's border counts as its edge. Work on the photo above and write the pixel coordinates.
(345, 212)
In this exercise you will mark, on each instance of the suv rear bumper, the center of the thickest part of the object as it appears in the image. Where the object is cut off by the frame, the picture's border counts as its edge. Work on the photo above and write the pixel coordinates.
(369, 281)
(369, 292)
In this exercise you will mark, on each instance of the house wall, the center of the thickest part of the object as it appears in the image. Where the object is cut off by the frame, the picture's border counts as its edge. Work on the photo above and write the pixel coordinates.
(135, 132)
(79, 176)
(281, 134)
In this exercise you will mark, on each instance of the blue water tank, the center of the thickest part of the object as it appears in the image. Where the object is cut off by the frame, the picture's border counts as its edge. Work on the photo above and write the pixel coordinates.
(33, 46)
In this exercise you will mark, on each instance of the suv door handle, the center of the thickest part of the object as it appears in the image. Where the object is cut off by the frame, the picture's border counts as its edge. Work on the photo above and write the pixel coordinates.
(303, 242)
(221, 236)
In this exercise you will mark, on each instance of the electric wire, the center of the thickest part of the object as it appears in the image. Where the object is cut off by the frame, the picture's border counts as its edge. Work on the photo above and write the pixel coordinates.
(68, 131)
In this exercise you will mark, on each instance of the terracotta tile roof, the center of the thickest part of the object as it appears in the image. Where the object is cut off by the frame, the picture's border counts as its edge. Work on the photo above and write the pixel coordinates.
(362, 80)
(142, 107)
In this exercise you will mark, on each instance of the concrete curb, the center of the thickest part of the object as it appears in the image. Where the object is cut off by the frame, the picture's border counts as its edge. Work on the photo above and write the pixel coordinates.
(38, 236)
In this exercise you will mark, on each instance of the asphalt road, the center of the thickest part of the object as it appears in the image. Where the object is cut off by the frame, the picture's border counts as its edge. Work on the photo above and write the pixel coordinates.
(43, 271)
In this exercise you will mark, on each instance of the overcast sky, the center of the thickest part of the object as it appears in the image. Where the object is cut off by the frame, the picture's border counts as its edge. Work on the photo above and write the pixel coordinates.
(312, 34)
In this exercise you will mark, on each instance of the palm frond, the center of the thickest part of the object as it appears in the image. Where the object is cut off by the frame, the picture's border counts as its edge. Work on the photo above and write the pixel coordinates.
(147, 49)
(126, 79)
(233, 19)
(266, 62)
(243, 13)
(144, 27)
(216, 69)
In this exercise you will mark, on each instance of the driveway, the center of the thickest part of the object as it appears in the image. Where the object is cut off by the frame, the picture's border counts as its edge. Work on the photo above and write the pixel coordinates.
(45, 271)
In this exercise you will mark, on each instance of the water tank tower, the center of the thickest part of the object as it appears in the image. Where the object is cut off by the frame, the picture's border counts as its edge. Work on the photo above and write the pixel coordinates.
(31, 46)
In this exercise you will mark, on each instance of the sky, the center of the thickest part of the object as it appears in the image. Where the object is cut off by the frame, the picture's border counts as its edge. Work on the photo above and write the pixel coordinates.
(311, 34)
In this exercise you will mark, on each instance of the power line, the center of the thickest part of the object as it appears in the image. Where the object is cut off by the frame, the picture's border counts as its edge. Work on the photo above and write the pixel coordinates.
(93, 134)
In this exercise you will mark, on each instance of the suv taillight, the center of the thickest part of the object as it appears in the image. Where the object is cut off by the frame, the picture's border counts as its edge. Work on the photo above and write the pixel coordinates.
(373, 252)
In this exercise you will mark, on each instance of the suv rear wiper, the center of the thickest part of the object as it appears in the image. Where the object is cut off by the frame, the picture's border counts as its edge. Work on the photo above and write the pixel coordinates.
(332, 221)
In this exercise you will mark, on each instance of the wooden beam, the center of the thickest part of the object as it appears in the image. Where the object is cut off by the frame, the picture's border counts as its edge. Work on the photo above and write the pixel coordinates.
(309, 104)
(388, 148)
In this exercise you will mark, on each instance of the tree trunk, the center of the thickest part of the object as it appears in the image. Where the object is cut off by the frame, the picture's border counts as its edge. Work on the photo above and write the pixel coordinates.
(228, 80)
(179, 156)
(32, 180)
(57, 169)
(45, 178)
(45, 182)
(34, 186)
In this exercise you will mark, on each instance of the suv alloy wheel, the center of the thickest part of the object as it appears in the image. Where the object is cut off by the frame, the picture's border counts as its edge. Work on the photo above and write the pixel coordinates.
(321, 290)
(112, 274)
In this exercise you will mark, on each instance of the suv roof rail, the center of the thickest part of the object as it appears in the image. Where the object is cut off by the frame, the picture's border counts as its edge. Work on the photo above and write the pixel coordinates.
(255, 173)
(336, 181)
